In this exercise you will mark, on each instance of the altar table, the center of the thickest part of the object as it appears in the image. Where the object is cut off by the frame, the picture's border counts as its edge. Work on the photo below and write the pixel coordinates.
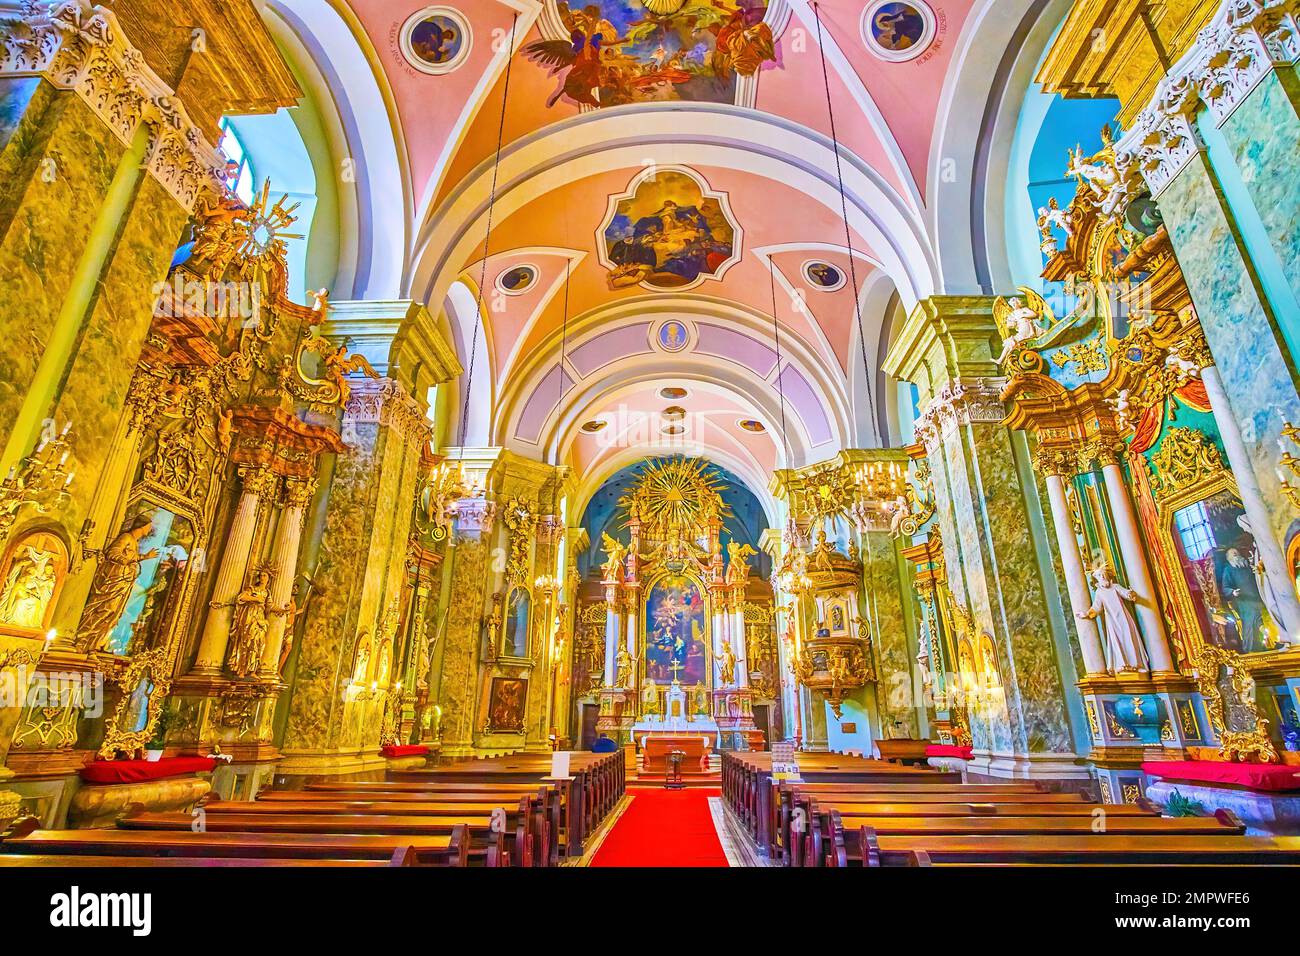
(656, 748)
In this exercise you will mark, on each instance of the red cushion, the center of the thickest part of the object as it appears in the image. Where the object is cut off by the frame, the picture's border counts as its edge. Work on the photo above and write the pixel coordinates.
(950, 750)
(138, 771)
(1253, 776)
(404, 750)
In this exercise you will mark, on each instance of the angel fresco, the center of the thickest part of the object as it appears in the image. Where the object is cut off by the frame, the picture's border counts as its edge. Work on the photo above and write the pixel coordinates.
(637, 51)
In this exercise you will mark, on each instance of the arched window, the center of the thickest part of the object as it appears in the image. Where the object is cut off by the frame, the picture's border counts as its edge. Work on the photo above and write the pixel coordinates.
(240, 180)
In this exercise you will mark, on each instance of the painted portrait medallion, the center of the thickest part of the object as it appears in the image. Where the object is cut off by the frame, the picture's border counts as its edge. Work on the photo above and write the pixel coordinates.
(518, 280)
(823, 276)
(673, 336)
(898, 30)
(436, 40)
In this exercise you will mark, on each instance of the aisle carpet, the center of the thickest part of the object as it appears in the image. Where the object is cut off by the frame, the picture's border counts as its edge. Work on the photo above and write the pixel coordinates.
(664, 828)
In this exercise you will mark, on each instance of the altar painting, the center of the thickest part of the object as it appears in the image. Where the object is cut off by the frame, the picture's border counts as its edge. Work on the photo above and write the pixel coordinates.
(676, 632)
(163, 554)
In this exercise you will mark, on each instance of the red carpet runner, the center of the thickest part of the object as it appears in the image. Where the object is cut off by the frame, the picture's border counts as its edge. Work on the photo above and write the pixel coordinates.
(664, 828)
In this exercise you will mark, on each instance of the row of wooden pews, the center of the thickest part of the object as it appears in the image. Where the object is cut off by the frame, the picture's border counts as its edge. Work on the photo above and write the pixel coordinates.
(495, 812)
(848, 811)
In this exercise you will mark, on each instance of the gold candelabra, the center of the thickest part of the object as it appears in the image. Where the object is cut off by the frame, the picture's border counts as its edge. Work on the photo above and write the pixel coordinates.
(39, 482)
(444, 487)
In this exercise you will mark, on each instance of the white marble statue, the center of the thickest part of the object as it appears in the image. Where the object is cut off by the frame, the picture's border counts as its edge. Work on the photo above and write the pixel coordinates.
(1121, 641)
(1022, 325)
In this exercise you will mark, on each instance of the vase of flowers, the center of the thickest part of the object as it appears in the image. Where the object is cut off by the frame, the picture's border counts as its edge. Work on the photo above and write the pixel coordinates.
(153, 750)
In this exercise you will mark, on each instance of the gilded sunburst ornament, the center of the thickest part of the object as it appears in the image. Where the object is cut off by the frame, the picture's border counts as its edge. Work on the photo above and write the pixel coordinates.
(676, 498)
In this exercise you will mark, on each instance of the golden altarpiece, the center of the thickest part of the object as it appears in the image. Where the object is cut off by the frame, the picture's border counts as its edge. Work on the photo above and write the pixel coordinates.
(1133, 440)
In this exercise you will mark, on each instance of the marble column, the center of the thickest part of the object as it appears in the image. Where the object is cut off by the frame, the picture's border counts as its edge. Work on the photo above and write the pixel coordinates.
(1076, 581)
(738, 644)
(1135, 564)
(612, 636)
(284, 569)
(1252, 501)
(259, 485)
(994, 537)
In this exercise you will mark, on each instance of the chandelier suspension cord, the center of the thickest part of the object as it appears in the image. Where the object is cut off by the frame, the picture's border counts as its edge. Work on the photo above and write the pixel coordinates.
(564, 343)
(487, 240)
(780, 374)
(776, 327)
(844, 214)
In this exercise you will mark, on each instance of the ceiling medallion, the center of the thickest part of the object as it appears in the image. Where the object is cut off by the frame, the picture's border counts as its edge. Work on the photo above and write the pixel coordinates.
(673, 393)
(592, 427)
(674, 413)
(668, 231)
(823, 276)
(436, 40)
(673, 335)
(752, 425)
(517, 280)
(898, 30)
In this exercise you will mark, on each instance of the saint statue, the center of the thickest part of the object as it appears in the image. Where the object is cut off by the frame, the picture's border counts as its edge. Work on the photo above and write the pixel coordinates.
(119, 566)
(649, 697)
(251, 625)
(361, 669)
(727, 663)
(1121, 642)
(624, 659)
(28, 589)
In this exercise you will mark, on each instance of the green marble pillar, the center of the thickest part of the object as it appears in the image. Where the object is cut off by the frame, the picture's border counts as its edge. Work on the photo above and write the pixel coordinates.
(996, 547)
(892, 627)
(335, 713)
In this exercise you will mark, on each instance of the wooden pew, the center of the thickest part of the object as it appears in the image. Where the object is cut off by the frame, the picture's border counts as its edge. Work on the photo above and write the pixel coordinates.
(451, 849)
(69, 861)
(902, 751)
(1090, 849)
(487, 841)
(544, 805)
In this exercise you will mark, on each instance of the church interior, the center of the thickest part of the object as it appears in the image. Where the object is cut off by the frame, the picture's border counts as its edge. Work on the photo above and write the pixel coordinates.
(649, 433)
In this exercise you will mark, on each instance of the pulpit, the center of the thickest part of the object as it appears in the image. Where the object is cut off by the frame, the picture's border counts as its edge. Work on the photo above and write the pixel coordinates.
(655, 749)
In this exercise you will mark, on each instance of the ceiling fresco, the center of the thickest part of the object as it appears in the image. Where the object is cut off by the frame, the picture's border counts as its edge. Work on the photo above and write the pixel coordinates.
(618, 52)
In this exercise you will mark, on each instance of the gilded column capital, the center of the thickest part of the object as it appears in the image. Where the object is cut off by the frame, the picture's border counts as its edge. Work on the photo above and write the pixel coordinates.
(260, 482)
(475, 518)
(1055, 462)
(299, 493)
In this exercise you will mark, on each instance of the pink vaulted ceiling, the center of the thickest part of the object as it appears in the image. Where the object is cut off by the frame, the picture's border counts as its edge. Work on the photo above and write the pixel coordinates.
(570, 219)
(906, 94)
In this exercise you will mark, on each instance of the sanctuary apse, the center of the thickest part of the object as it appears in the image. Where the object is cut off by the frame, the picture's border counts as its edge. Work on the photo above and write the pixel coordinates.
(393, 397)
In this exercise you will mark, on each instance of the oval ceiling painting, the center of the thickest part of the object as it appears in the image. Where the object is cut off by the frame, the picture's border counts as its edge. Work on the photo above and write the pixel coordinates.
(616, 52)
(668, 231)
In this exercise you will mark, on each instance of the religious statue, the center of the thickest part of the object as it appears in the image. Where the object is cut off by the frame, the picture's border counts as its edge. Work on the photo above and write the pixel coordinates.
(250, 625)
(1121, 642)
(291, 611)
(899, 512)
(361, 667)
(1053, 215)
(28, 589)
(649, 697)
(612, 569)
(727, 663)
(624, 662)
(1019, 325)
(738, 556)
(119, 566)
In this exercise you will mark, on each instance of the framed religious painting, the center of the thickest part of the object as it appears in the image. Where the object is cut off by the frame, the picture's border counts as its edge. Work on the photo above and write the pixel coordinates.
(515, 625)
(140, 593)
(1220, 589)
(506, 705)
(31, 577)
(142, 693)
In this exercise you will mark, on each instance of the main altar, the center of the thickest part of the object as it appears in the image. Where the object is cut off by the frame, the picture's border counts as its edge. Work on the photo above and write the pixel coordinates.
(675, 640)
